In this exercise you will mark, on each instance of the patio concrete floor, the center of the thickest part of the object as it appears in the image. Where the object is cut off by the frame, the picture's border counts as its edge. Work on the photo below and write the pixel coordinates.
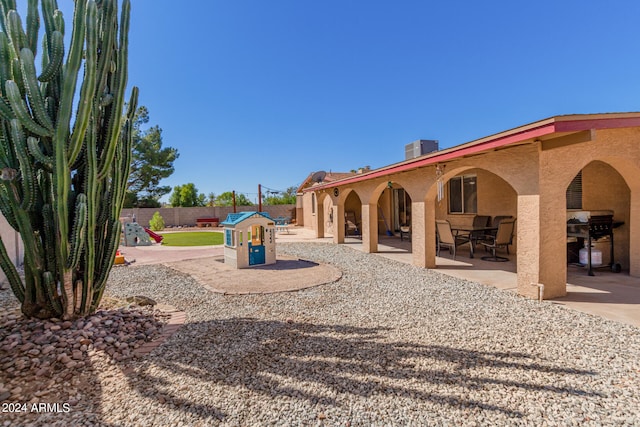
(614, 296)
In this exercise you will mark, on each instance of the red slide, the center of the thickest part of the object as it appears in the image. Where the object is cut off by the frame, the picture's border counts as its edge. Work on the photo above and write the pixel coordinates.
(155, 236)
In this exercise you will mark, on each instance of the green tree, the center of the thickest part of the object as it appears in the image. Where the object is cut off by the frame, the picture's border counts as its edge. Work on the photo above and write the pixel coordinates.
(286, 198)
(150, 163)
(226, 199)
(186, 196)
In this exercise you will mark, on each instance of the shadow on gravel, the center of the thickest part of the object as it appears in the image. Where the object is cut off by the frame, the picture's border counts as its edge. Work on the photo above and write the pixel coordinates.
(320, 363)
(287, 264)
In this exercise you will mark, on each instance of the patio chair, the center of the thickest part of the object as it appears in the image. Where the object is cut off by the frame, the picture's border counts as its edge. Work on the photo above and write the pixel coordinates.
(446, 238)
(502, 239)
(495, 224)
(350, 224)
(497, 219)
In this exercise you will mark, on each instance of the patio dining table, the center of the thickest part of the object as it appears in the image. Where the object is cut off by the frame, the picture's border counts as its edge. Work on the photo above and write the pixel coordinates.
(474, 232)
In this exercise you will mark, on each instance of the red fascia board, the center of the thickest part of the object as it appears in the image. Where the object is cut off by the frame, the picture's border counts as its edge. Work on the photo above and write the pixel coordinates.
(578, 125)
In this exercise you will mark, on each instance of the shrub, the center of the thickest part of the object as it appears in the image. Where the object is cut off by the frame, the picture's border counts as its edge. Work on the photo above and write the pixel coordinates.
(156, 223)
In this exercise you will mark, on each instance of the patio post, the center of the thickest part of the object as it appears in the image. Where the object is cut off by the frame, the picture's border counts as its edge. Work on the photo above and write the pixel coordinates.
(338, 222)
(423, 234)
(370, 227)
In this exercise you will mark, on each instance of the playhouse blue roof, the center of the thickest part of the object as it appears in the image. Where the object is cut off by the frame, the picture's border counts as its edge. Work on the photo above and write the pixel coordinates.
(237, 218)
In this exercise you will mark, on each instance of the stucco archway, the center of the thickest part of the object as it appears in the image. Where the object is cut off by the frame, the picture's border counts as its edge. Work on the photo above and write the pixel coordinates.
(599, 187)
(494, 196)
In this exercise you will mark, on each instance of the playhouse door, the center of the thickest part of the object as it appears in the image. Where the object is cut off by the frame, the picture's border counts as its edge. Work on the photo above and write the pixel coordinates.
(256, 246)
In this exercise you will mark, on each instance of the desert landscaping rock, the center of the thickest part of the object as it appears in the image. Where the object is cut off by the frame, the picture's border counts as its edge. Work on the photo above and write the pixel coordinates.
(386, 344)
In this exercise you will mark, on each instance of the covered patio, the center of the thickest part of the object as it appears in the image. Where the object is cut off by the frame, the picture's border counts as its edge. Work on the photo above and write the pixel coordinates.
(524, 173)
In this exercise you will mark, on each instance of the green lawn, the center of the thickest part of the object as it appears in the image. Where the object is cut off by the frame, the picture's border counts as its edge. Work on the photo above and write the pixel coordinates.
(195, 238)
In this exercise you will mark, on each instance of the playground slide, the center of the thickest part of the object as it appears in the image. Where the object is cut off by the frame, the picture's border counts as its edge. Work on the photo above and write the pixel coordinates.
(155, 236)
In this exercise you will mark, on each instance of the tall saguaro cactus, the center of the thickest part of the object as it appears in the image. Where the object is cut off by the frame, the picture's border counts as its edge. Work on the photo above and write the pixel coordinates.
(63, 181)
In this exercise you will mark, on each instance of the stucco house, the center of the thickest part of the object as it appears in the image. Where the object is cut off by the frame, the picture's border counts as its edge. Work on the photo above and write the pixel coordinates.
(537, 173)
(306, 202)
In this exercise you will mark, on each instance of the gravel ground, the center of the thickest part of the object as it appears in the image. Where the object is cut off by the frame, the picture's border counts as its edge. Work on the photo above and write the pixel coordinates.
(387, 344)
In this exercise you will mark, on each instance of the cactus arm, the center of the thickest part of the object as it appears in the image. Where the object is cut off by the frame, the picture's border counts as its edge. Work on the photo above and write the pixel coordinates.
(78, 231)
(33, 25)
(49, 237)
(54, 57)
(5, 111)
(15, 31)
(92, 201)
(28, 68)
(112, 237)
(58, 20)
(87, 92)
(28, 177)
(118, 87)
(20, 109)
(52, 293)
(34, 149)
(5, 59)
(109, 21)
(16, 72)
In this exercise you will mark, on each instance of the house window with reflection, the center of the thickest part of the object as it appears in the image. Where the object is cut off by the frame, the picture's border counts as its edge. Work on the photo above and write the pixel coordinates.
(463, 194)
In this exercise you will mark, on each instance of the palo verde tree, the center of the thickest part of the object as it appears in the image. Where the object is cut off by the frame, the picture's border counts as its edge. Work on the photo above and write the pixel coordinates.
(63, 182)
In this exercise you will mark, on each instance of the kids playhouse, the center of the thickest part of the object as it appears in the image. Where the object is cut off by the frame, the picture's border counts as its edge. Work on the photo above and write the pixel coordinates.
(249, 239)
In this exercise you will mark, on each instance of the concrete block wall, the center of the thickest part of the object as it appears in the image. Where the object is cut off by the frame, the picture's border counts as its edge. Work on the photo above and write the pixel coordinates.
(185, 217)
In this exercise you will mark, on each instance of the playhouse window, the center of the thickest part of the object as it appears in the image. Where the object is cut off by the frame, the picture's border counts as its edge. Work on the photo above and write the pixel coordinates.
(257, 235)
(228, 238)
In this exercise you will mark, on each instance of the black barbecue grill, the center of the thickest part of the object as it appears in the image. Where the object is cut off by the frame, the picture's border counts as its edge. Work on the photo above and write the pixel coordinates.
(596, 227)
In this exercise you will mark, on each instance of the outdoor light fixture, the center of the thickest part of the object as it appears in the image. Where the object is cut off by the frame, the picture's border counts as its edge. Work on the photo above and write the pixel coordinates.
(389, 185)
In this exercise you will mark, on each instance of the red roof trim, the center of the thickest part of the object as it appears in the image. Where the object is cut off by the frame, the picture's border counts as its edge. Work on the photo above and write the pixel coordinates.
(577, 125)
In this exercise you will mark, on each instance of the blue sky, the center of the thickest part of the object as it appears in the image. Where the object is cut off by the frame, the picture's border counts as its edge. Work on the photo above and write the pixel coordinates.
(264, 92)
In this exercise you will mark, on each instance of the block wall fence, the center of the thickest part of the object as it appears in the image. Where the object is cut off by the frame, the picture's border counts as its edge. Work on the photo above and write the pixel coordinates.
(186, 217)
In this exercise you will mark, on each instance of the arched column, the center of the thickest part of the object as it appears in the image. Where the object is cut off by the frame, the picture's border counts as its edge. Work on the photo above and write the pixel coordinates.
(423, 233)
(320, 216)
(541, 243)
(338, 221)
(370, 227)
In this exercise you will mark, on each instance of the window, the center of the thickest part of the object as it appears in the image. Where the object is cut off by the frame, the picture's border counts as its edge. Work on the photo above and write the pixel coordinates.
(463, 194)
(574, 193)
(228, 238)
(313, 203)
